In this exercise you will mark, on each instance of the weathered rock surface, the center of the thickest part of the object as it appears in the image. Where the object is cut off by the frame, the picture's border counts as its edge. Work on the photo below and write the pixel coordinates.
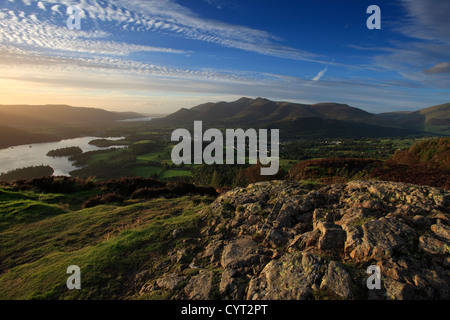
(291, 277)
(283, 240)
(170, 281)
(244, 254)
(200, 286)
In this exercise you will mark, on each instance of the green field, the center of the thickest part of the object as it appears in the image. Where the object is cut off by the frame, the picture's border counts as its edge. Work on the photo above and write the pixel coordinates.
(110, 157)
(175, 173)
(149, 155)
(147, 172)
(162, 157)
(144, 141)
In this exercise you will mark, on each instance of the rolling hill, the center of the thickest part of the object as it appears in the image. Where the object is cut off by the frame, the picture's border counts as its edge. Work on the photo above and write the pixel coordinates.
(316, 120)
(22, 116)
(13, 137)
(24, 124)
(433, 119)
(261, 111)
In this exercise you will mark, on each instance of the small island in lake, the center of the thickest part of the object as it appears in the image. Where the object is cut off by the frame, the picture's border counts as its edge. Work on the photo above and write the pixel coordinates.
(65, 152)
(105, 143)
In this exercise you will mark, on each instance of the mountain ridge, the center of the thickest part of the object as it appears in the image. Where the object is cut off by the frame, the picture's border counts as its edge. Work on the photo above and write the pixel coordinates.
(331, 119)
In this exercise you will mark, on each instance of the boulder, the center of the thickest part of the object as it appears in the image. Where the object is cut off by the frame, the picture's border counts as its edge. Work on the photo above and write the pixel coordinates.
(244, 254)
(384, 238)
(292, 277)
(286, 217)
(170, 281)
(278, 238)
(337, 280)
(200, 286)
(332, 238)
(232, 285)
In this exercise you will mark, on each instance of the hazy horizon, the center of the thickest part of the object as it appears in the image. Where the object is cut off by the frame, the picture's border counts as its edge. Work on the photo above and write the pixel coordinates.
(158, 56)
(146, 112)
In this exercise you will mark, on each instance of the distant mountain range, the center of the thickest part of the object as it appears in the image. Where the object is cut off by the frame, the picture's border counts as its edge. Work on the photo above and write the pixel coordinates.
(24, 124)
(316, 120)
(20, 116)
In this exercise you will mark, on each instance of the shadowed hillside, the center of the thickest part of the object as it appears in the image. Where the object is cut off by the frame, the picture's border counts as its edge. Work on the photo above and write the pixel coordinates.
(22, 116)
(293, 119)
(12, 137)
(263, 112)
(26, 124)
(432, 119)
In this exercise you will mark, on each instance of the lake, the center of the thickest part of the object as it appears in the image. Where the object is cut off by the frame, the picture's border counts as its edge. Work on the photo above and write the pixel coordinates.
(138, 119)
(36, 154)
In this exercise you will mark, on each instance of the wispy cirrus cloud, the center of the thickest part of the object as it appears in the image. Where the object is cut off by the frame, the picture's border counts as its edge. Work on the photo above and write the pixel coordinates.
(38, 38)
(19, 29)
(104, 66)
(423, 56)
(170, 18)
(428, 19)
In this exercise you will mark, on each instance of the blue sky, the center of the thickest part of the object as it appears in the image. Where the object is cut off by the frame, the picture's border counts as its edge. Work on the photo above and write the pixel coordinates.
(161, 55)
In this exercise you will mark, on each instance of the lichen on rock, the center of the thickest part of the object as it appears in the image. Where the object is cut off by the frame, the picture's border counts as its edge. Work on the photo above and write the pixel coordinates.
(287, 240)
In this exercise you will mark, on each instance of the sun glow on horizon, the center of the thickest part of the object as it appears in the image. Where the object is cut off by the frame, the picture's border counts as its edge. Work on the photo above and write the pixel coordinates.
(160, 56)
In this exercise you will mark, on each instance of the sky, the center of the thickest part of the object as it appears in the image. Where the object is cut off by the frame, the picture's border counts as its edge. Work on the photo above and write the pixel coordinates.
(157, 56)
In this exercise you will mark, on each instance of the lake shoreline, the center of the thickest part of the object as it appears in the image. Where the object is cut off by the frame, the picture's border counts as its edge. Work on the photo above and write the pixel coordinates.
(56, 140)
(35, 154)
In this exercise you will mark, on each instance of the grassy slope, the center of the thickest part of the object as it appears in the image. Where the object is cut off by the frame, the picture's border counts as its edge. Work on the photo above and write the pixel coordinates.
(41, 235)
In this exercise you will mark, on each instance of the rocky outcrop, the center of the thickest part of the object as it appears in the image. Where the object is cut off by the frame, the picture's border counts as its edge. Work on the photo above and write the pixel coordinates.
(284, 240)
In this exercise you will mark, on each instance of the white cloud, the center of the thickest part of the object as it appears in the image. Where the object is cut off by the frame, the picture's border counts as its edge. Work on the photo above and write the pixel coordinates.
(320, 74)
(41, 6)
(56, 39)
(55, 9)
(123, 76)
